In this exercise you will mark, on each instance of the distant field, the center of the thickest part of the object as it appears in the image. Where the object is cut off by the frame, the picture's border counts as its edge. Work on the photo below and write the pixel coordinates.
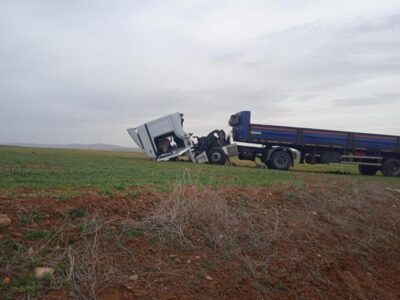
(55, 168)
(115, 225)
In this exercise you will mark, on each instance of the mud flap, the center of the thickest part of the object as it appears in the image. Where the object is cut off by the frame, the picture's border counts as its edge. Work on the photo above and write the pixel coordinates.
(202, 158)
(231, 150)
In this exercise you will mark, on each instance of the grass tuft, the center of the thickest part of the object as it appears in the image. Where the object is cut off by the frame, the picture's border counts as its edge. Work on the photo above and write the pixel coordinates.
(188, 210)
(77, 213)
(133, 194)
(33, 216)
(27, 284)
(131, 234)
(39, 234)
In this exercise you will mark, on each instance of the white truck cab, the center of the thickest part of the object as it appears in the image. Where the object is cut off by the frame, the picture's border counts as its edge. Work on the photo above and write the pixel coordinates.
(165, 139)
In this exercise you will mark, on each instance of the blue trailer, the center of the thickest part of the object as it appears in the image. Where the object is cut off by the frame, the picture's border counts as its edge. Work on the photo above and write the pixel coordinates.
(276, 144)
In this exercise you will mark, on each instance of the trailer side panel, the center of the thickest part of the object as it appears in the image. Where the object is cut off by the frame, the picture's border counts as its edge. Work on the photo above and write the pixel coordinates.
(244, 131)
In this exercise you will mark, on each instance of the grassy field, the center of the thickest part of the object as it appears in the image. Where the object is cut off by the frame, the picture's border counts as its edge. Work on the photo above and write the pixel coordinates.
(51, 168)
(115, 225)
(71, 169)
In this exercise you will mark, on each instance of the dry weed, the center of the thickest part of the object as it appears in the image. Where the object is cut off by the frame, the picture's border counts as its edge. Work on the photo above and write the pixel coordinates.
(189, 212)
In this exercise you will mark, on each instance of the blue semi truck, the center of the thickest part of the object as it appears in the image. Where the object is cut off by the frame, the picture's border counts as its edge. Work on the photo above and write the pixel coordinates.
(164, 139)
(275, 145)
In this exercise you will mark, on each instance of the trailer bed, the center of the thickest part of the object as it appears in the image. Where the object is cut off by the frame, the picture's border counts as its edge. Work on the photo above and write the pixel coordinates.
(244, 131)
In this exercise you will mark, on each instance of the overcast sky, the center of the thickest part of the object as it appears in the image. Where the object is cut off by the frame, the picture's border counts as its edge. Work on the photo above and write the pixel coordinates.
(84, 71)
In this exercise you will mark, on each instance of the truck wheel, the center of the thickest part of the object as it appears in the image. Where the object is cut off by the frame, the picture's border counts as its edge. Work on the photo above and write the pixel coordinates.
(280, 160)
(217, 156)
(391, 167)
(367, 170)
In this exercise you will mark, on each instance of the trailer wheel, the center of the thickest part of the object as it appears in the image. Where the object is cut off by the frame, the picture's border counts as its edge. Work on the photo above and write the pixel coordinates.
(217, 156)
(367, 170)
(280, 160)
(391, 167)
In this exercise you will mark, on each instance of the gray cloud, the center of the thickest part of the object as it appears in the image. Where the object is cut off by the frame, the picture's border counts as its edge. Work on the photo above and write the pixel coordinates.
(84, 72)
(375, 100)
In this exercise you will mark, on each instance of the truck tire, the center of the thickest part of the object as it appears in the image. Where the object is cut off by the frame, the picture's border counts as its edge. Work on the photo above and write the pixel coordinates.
(391, 167)
(280, 160)
(217, 156)
(367, 170)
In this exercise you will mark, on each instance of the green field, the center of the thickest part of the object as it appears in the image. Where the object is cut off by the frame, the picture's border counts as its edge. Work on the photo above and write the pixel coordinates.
(182, 230)
(70, 169)
(54, 168)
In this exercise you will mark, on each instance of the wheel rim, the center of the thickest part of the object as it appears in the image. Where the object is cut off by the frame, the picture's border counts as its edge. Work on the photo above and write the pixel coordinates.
(281, 161)
(216, 156)
(394, 169)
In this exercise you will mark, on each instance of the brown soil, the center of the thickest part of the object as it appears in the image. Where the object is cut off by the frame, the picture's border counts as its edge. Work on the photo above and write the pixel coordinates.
(330, 240)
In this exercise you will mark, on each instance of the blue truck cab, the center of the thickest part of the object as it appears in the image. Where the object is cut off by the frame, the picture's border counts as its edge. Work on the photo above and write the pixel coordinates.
(276, 146)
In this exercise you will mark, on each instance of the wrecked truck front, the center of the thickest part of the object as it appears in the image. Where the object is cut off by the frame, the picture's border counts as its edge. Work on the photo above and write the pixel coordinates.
(165, 139)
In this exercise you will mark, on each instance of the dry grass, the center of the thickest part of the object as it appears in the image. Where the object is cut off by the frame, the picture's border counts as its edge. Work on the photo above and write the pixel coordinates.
(88, 268)
(265, 236)
(361, 214)
(191, 217)
(81, 261)
(255, 231)
(189, 212)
